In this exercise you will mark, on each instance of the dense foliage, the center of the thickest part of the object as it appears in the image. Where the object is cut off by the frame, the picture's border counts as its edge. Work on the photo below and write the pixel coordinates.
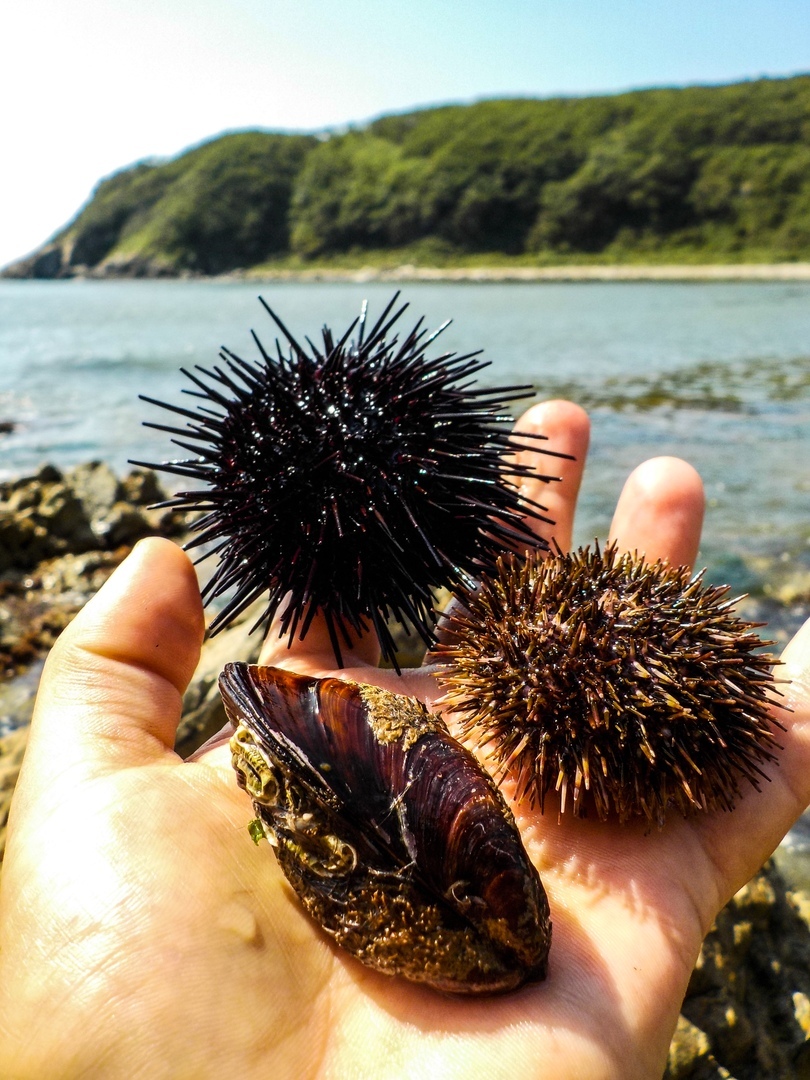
(722, 171)
(220, 206)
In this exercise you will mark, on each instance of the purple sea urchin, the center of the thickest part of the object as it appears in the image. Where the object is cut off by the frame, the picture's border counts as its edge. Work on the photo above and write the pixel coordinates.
(351, 479)
(626, 685)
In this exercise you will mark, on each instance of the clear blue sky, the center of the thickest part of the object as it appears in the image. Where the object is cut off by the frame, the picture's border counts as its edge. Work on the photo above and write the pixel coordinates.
(88, 86)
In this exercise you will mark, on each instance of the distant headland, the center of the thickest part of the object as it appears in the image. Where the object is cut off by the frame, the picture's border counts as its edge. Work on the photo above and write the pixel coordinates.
(701, 182)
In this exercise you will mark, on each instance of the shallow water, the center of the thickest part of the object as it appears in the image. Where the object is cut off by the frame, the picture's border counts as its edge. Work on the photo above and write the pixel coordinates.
(716, 373)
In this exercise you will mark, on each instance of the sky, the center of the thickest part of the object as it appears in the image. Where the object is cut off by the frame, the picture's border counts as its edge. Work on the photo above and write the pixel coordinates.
(90, 86)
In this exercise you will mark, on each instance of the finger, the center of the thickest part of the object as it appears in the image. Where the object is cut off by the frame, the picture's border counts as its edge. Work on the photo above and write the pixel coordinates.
(314, 654)
(112, 687)
(567, 429)
(660, 512)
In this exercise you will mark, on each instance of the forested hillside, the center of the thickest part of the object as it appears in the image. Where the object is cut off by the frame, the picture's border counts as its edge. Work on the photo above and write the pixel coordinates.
(677, 174)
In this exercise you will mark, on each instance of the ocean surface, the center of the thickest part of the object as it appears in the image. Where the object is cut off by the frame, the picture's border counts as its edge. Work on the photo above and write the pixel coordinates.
(716, 373)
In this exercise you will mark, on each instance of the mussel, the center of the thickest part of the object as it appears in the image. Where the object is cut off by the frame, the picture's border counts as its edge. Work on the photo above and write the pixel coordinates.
(396, 841)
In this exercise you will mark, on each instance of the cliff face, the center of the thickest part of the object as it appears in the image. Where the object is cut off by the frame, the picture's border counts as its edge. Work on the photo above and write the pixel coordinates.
(702, 173)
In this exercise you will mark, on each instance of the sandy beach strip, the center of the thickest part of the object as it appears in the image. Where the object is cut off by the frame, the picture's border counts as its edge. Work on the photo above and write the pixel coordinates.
(710, 272)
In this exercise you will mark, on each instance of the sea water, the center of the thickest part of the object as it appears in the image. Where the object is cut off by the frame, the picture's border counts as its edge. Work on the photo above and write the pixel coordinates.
(715, 373)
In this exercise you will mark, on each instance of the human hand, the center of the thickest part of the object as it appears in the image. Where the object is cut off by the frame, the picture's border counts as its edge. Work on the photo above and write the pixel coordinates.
(142, 934)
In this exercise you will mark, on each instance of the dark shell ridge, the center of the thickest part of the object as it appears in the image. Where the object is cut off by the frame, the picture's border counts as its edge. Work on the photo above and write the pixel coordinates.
(395, 839)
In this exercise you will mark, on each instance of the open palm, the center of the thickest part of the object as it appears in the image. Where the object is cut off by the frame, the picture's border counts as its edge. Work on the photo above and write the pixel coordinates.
(142, 934)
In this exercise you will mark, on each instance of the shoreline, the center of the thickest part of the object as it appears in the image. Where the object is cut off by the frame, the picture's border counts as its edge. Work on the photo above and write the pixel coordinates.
(498, 274)
(507, 274)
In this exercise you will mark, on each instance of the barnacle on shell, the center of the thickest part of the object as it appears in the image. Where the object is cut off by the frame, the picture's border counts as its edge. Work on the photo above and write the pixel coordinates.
(625, 685)
(351, 478)
(397, 842)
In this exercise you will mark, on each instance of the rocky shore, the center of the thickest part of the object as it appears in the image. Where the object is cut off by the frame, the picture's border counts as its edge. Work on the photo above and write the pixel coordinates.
(747, 1011)
(61, 536)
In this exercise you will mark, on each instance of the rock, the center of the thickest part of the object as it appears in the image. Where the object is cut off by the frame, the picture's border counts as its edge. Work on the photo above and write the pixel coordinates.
(749, 994)
(123, 524)
(39, 519)
(690, 1056)
(203, 713)
(62, 513)
(48, 474)
(48, 264)
(142, 488)
(23, 542)
(60, 538)
(117, 510)
(97, 488)
(50, 514)
(77, 574)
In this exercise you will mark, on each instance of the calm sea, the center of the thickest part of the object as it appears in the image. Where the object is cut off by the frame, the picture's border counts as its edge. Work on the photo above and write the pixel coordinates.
(716, 373)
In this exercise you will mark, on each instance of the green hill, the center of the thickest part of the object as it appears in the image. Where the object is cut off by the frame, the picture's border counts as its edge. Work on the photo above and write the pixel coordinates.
(711, 173)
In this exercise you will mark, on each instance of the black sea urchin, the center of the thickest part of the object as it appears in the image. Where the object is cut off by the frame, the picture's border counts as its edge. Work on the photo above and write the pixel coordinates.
(603, 673)
(350, 479)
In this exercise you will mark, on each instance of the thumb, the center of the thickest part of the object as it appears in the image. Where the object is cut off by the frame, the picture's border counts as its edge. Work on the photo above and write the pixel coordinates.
(112, 687)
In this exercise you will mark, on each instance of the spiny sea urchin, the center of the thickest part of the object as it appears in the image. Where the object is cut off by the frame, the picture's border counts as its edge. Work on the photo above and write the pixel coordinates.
(350, 479)
(603, 673)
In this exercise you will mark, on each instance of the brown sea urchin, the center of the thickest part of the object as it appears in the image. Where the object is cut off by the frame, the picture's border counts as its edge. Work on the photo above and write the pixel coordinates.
(625, 685)
(350, 479)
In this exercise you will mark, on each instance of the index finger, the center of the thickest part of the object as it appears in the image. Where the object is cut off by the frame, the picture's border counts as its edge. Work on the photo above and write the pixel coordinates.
(566, 429)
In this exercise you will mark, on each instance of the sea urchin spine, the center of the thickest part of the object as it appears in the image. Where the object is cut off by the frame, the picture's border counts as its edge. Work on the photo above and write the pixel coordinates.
(622, 684)
(350, 479)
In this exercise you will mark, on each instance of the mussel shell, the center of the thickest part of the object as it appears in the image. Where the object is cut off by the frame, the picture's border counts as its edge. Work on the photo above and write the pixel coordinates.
(395, 839)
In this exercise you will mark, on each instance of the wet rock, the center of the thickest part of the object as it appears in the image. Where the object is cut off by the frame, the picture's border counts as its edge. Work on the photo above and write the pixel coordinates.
(123, 524)
(142, 488)
(21, 543)
(690, 1056)
(50, 514)
(61, 512)
(97, 488)
(78, 575)
(747, 1009)
(47, 474)
(29, 629)
(61, 536)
